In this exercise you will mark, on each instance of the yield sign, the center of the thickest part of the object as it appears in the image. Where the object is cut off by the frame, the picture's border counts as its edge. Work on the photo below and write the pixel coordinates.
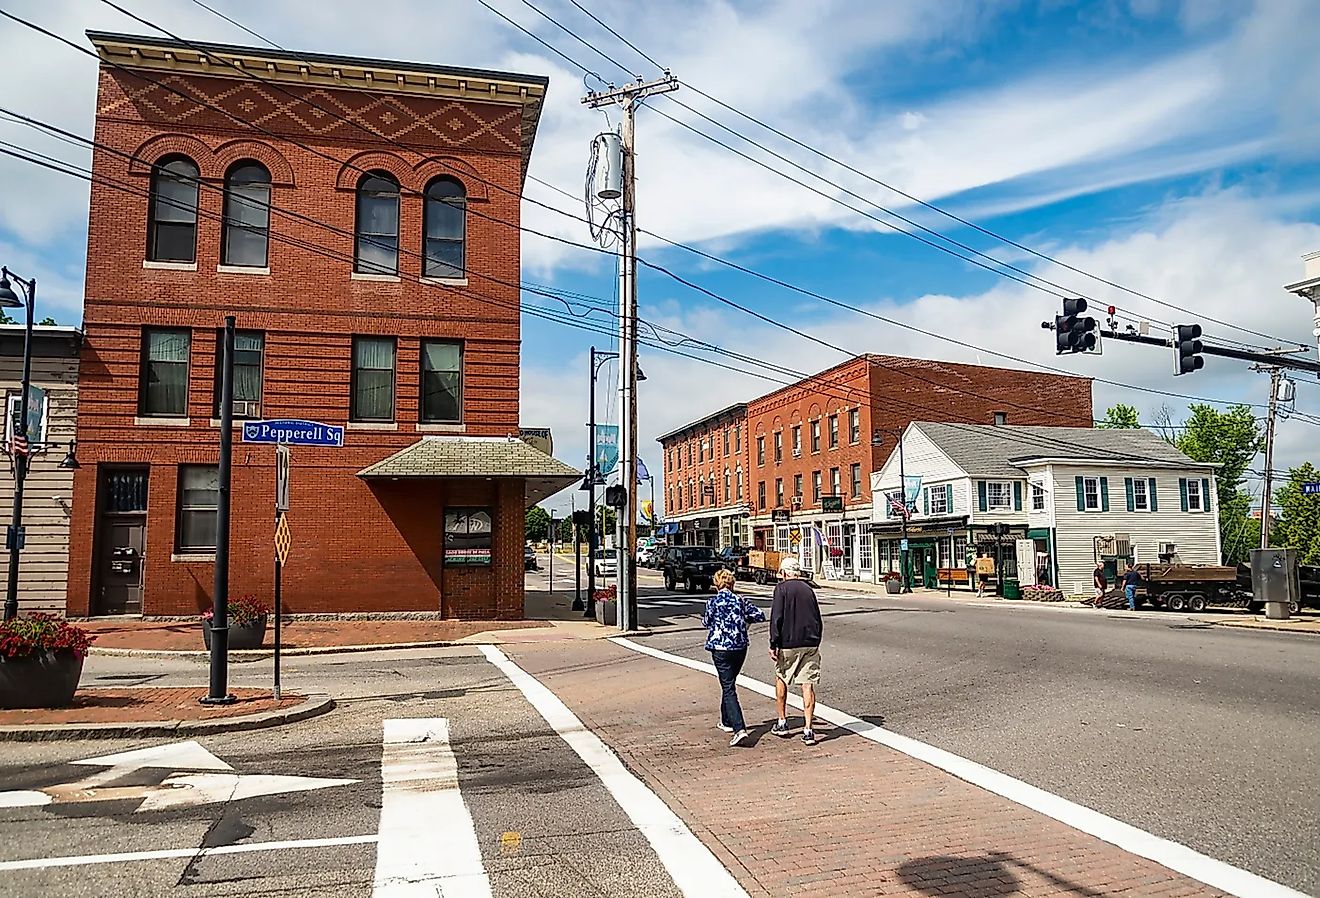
(185, 787)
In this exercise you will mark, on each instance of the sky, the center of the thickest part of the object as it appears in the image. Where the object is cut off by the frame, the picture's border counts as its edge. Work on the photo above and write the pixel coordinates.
(1170, 148)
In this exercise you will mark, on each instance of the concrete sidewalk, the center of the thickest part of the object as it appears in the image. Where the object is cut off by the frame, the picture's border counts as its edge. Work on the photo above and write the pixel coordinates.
(847, 817)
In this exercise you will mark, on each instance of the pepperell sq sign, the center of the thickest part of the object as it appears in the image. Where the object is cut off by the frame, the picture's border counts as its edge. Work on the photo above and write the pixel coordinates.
(292, 432)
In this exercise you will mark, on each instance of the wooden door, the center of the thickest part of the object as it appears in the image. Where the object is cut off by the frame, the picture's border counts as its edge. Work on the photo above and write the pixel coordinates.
(121, 542)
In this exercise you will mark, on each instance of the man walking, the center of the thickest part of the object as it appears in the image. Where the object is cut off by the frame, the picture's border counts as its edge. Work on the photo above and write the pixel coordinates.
(1101, 585)
(1131, 580)
(795, 630)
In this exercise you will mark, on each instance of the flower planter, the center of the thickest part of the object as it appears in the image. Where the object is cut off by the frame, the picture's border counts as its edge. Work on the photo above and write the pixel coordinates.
(893, 587)
(241, 636)
(607, 613)
(45, 679)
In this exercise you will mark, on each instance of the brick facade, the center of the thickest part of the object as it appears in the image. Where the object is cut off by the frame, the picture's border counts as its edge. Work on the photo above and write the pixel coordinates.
(706, 471)
(358, 545)
(885, 393)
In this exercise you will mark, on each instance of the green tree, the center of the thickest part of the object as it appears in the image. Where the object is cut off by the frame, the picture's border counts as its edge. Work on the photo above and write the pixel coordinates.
(1299, 515)
(6, 318)
(537, 527)
(48, 322)
(1229, 439)
(1120, 416)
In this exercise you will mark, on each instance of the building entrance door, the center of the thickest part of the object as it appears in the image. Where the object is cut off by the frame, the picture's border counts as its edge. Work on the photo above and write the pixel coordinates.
(121, 531)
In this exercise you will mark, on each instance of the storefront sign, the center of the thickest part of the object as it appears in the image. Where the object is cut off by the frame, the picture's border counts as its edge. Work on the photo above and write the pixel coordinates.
(467, 536)
(831, 503)
(780, 516)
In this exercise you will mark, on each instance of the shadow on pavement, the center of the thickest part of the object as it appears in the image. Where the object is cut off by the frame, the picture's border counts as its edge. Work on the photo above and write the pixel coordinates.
(990, 875)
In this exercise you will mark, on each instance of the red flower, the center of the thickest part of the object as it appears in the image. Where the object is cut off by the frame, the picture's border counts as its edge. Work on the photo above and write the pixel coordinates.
(24, 636)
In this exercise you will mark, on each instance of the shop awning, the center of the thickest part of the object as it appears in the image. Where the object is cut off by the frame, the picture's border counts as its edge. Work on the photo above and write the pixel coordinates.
(486, 457)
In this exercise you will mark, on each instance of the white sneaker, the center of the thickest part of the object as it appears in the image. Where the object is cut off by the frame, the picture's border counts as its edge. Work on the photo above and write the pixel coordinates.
(738, 738)
(727, 729)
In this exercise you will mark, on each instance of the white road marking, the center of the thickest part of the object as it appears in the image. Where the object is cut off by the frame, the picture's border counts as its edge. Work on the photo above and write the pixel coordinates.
(1176, 857)
(428, 845)
(178, 790)
(42, 863)
(694, 870)
(175, 756)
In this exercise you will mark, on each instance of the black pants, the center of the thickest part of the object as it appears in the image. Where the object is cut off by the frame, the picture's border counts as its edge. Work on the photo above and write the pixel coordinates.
(727, 665)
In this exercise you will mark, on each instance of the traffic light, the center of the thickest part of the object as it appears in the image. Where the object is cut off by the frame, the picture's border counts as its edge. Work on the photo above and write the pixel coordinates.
(1187, 349)
(1072, 331)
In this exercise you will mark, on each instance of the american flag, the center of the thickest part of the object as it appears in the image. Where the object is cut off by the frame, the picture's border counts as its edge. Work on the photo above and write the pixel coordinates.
(896, 502)
(18, 445)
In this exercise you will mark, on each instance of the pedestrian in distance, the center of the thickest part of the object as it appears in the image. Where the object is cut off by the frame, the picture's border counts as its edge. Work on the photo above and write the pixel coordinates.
(1131, 580)
(1101, 584)
(795, 631)
(726, 616)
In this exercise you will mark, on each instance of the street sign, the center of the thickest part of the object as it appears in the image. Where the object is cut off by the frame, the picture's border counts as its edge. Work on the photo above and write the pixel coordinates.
(831, 503)
(282, 477)
(1311, 489)
(283, 540)
(903, 544)
(779, 516)
(293, 432)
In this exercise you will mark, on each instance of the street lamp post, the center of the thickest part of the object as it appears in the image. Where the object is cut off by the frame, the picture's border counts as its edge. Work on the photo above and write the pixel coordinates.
(14, 538)
(877, 439)
(591, 481)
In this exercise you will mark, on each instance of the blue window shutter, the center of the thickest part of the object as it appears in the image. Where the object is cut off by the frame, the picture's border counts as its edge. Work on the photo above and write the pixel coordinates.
(1081, 495)
(1104, 494)
(1205, 494)
(925, 501)
(1182, 488)
(1017, 495)
(1131, 497)
(1154, 502)
(980, 489)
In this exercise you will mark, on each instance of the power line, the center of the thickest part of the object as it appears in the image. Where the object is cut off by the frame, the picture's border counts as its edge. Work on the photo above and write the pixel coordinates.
(931, 206)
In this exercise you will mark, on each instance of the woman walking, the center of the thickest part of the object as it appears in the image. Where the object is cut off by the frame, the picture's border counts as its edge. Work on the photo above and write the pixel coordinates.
(726, 617)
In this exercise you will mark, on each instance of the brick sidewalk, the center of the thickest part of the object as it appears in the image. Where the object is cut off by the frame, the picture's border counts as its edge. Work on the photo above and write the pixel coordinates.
(148, 705)
(845, 818)
(174, 636)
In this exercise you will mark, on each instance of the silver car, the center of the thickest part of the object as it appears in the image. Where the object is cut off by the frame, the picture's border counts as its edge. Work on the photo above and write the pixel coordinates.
(605, 563)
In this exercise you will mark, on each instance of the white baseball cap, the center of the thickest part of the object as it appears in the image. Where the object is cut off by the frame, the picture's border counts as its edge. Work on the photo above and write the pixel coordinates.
(790, 567)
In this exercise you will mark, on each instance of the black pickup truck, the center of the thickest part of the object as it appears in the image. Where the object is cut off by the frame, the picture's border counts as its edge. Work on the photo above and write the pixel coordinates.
(693, 565)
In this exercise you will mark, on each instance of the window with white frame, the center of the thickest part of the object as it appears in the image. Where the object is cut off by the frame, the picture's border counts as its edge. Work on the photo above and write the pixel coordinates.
(999, 495)
(1140, 494)
(1091, 493)
(1195, 501)
(1038, 497)
(864, 552)
(937, 499)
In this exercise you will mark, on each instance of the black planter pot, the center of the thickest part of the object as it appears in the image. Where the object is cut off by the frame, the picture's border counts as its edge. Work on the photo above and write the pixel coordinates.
(247, 636)
(43, 680)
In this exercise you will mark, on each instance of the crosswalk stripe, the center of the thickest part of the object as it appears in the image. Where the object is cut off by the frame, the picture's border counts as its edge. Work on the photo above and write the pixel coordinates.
(694, 870)
(427, 845)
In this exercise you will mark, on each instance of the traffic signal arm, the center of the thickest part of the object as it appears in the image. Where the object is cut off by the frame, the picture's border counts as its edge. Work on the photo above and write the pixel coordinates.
(1264, 358)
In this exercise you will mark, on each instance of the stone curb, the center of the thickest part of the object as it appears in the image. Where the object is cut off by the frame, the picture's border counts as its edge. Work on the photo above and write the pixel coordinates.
(315, 705)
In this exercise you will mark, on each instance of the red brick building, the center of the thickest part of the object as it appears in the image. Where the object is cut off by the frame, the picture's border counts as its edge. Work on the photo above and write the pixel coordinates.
(360, 219)
(820, 439)
(706, 480)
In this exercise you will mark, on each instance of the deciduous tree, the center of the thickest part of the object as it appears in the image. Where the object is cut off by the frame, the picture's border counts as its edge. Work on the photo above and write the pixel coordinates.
(1299, 515)
(1229, 439)
(1120, 416)
(537, 528)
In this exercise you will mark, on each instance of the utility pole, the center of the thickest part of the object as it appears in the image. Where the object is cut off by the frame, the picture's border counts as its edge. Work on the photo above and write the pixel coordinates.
(629, 97)
(1277, 382)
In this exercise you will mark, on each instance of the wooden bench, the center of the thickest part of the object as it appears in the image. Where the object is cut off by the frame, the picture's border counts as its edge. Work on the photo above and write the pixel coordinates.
(957, 576)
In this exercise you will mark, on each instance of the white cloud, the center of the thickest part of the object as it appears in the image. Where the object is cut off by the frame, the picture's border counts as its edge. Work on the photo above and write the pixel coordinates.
(1218, 254)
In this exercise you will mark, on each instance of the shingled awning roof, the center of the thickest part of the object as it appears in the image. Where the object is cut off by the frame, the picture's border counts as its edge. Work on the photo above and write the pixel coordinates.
(478, 457)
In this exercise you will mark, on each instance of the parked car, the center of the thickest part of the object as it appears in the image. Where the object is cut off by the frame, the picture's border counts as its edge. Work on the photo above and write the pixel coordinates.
(529, 559)
(604, 563)
(694, 566)
(645, 555)
(735, 559)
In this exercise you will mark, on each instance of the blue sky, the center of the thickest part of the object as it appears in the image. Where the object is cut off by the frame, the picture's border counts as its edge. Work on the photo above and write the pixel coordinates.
(1170, 147)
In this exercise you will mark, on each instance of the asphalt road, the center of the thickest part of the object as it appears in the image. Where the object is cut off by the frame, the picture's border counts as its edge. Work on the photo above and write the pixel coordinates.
(543, 821)
(1207, 736)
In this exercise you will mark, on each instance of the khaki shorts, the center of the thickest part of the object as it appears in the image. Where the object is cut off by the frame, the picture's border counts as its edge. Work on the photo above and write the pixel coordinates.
(797, 666)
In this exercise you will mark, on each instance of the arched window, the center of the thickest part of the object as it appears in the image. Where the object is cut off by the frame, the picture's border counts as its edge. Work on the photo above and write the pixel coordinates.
(377, 244)
(172, 229)
(247, 215)
(446, 229)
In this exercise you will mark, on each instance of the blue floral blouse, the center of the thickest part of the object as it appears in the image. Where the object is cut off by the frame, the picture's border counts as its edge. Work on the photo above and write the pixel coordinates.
(727, 616)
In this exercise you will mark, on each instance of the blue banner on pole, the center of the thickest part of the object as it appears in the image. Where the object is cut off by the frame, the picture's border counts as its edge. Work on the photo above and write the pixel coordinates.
(607, 448)
(643, 475)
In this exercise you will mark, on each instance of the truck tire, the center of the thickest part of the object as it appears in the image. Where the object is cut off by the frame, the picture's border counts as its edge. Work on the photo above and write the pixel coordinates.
(1255, 607)
(1176, 602)
(1196, 603)
(691, 585)
(1294, 607)
(670, 583)
(760, 578)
